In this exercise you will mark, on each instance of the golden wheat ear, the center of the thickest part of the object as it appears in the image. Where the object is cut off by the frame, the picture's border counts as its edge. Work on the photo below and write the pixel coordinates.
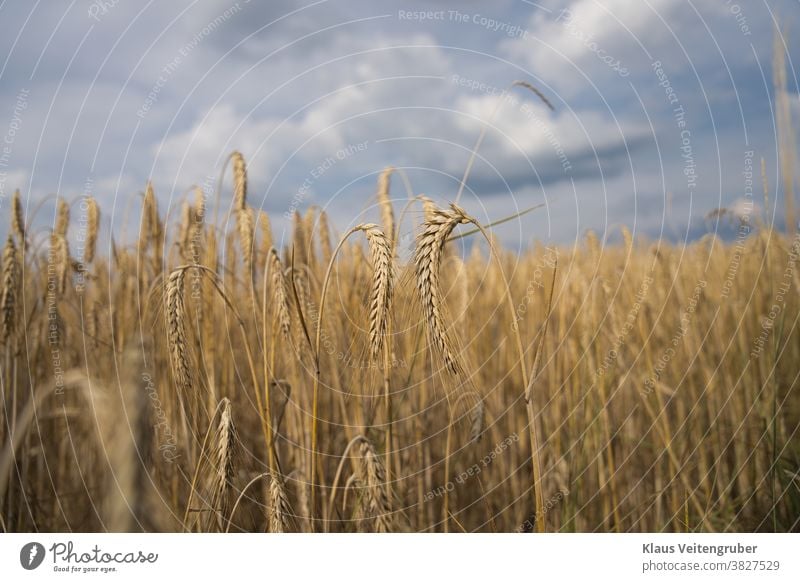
(439, 224)
(10, 291)
(373, 475)
(381, 293)
(281, 515)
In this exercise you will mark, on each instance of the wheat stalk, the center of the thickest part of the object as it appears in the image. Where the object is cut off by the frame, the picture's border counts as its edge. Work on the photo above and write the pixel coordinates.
(428, 258)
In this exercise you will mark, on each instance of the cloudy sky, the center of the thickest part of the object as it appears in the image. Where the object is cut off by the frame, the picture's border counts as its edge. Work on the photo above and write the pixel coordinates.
(660, 106)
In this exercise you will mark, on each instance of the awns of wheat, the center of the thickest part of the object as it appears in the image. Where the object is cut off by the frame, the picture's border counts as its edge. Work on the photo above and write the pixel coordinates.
(427, 259)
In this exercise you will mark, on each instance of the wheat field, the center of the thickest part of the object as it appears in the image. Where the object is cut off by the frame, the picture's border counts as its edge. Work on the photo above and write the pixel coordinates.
(202, 376)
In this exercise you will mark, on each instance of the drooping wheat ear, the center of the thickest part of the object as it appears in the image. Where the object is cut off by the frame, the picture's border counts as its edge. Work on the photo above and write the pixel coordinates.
(10, 292)
(325, 238)
(280, 510)
(59, 256)
(299, 240)
(385, 203)
(427, 258)
(176, 330)
(280, 295)
(380, 299)
(62, 218)
(224, 470)
(372, 473)
(18, 218)
(92, 228)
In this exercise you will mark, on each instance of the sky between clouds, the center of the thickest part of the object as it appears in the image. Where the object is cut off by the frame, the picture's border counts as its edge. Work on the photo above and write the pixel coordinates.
(657, 104)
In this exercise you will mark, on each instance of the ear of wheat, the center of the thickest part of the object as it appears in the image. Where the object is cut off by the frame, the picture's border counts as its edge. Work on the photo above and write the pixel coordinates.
(224, 469)
(18, 218)
(325, 238)
(244, 221)
(385, 203)
(279, 292)
(244, 215)
(197, 229)
(92, 228)
(59, 256)
(176, 330)
(184, 230)
(151, 233)
(280, 515)
(239, 181)
(373, 475)
(477, 421)
(266, 234)
(300, 245)
(62, 218)
(381, 292)
(427, 259)
(10, 292)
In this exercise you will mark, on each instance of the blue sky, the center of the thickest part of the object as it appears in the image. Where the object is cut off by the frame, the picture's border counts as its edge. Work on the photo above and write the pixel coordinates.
(658, 104)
